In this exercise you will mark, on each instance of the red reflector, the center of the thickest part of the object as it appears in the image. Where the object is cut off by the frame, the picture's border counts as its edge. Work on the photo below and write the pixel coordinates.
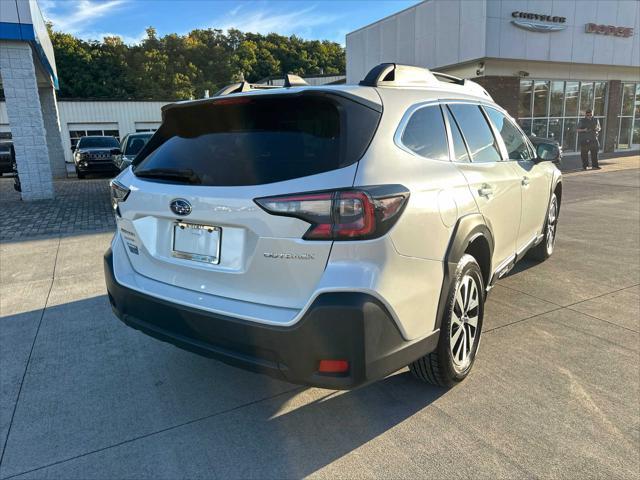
(333, 366)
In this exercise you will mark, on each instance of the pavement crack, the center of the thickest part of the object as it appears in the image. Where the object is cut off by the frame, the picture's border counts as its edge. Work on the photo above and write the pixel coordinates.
(565, 307)
(33, 344)
(150, 434)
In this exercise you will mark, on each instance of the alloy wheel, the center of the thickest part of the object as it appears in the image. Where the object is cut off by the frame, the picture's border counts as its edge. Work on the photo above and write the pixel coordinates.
(464, 322)
(551, 224)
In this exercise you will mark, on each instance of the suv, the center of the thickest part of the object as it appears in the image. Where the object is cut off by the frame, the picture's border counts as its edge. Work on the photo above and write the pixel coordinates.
(130, 147)
(330, 235)
(95, 154)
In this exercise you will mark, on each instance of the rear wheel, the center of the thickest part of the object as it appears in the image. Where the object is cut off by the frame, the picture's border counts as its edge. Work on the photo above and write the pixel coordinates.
(460, 329)
(544, 249)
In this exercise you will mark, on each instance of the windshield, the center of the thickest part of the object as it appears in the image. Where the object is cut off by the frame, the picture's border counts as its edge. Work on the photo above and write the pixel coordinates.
(135, 144)
(98, 142)
(259, 140)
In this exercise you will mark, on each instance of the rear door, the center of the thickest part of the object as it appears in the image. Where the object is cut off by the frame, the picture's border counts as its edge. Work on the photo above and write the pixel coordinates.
(493, 182)
(191, 220)
(535, 179)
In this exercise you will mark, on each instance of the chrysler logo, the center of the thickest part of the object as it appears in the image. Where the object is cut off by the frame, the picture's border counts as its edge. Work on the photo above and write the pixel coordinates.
(180, 206)
(534, 22)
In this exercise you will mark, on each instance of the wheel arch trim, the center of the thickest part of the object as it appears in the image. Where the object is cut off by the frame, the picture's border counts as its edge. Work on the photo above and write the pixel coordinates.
(467, 229)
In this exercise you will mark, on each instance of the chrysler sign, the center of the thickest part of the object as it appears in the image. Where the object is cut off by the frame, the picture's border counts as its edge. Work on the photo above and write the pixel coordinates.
(535, 22)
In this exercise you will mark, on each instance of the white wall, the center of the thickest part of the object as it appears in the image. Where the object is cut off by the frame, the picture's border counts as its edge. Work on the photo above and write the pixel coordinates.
(431, 33)
(441, 33)
(573, 44)
(124, 114)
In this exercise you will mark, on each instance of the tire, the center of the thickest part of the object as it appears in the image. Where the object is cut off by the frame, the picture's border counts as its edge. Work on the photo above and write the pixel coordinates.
(451, 361)
(544, 249)
(80, 174)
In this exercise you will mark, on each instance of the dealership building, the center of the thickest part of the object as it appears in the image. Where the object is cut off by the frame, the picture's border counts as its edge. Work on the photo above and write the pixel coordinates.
(546, 62)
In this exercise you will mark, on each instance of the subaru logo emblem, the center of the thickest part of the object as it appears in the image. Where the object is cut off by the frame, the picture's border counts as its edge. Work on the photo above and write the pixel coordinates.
(180, 206)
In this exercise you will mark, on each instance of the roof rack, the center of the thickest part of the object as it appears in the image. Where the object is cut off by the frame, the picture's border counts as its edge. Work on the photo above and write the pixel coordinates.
(397, 75)
(449, 78)
(393, 74)
(290, 80)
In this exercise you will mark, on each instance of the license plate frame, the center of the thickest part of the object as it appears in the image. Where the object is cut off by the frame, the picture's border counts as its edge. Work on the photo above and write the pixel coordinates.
(207, 249)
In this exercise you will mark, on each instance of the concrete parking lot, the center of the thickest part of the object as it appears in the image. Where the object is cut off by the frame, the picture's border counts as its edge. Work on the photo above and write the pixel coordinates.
(554, 392)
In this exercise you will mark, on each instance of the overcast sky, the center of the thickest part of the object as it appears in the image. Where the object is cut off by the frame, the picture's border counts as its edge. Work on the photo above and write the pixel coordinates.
(320, 19)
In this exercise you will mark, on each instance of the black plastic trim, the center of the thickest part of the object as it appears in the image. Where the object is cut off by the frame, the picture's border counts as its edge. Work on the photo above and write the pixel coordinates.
(467, 229)
(339, 326)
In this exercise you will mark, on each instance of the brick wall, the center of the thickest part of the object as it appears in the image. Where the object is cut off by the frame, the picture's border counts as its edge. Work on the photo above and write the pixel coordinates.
(504, 90)
(613, 110)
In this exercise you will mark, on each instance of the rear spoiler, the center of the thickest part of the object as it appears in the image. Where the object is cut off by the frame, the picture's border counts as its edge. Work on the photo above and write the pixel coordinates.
(290, 80)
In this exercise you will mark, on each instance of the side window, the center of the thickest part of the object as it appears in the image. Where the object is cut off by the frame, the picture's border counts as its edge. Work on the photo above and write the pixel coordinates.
(476, 130)
(460, 153)
(425, 134)
(514, 140)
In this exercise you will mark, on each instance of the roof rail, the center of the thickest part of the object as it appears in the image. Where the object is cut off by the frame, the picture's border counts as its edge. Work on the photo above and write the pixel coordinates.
(449, 78)
(397, 75)
(290, 80)
(393, 74)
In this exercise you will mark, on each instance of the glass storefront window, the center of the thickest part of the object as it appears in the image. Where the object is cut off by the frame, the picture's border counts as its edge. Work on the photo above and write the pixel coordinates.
(586, 98)
(571, 99)
(555, 129)
(552, 109)
(629, 118)
(600, 99)
(540, 98)
(539, 128)
(628, 98)
(524, 106)
(569, 134)
(625, 132)
(557, 99)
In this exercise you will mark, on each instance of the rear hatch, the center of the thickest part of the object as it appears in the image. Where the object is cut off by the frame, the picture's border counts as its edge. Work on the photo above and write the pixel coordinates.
(190, 219)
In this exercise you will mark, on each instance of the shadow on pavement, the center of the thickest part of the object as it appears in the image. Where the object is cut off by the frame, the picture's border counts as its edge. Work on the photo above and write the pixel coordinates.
(93, 383)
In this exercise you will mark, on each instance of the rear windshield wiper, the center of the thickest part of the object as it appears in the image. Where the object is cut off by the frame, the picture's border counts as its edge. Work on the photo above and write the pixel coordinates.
(185, 174)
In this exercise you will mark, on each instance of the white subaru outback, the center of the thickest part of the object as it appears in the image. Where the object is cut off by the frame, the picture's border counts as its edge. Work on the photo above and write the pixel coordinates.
(330, 235)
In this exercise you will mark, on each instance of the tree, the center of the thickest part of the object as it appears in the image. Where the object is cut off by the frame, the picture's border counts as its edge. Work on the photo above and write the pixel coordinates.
(174, 67)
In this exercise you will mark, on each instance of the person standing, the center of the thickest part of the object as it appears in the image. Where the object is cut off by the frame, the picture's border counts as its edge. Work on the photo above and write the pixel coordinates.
(588, 130)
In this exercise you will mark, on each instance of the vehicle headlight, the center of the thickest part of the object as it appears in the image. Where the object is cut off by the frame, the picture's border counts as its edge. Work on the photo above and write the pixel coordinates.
(119, 193)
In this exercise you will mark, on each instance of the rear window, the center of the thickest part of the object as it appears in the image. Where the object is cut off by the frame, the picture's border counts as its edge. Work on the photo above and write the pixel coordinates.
(258, 140)
(135, 144)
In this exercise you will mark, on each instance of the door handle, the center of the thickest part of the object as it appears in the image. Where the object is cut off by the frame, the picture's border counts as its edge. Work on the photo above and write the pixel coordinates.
(485, 190)
(525, 181)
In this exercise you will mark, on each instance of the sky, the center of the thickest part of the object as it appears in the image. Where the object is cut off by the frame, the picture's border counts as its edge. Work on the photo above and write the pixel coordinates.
(319, 19)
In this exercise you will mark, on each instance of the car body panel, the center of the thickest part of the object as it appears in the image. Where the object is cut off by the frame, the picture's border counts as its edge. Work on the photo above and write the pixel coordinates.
(269, 275)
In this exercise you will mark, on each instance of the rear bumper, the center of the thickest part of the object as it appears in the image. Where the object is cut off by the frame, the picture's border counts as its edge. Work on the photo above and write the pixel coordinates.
(337, 326)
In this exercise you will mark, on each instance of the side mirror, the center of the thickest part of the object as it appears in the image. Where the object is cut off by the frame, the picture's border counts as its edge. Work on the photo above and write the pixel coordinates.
(547, 152)
(73, 148)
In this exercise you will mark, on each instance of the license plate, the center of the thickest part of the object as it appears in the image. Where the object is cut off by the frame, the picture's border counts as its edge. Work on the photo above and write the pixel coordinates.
(200, 243)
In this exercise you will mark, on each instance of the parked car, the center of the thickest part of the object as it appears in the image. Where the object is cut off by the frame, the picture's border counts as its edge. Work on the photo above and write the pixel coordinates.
(330, 235)
(539, 140)
(95, 154)
(7, 155)
(130, 147)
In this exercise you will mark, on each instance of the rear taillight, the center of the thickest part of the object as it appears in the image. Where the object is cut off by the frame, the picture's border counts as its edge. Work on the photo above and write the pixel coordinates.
(356, 214)
(119, 193)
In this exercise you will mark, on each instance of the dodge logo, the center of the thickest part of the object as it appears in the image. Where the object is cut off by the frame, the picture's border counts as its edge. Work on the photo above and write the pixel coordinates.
(180, 206)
